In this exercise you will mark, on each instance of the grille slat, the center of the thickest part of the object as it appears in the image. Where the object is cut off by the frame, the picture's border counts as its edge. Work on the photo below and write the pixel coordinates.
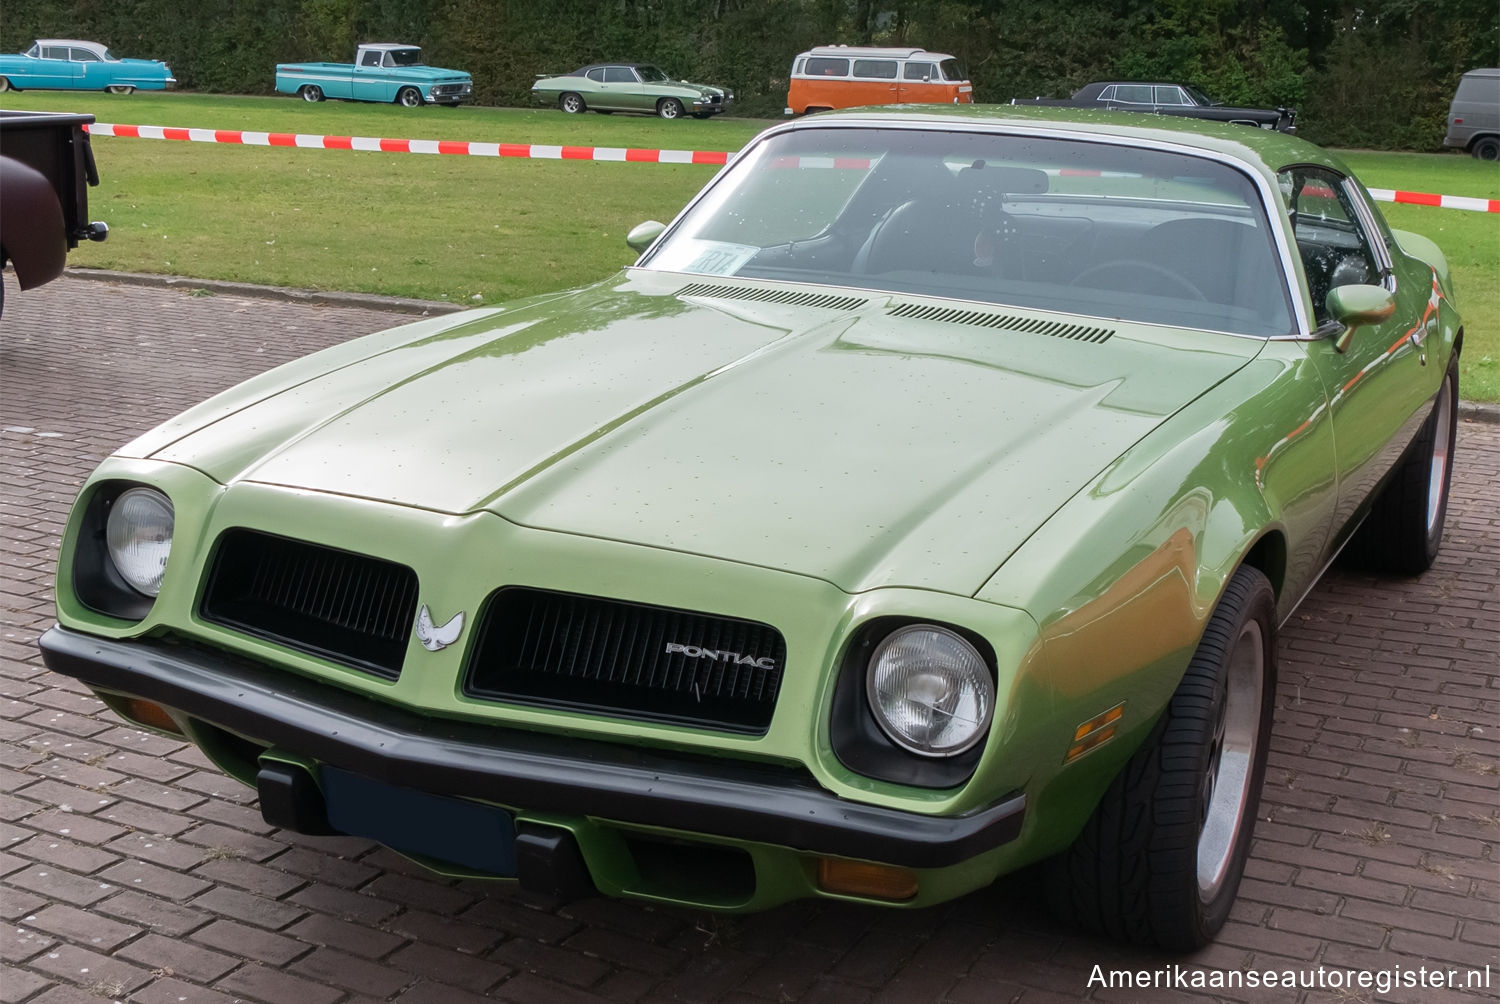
(1004, 322)
(344, 607)
(790, 297)
(609, 657)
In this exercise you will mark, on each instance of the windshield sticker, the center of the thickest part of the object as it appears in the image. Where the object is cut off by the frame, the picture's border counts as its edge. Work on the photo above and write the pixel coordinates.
(716, 257)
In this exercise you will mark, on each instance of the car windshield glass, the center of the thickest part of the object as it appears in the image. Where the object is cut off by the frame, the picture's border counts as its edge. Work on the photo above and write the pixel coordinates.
(1199, 97)
(1067, 225)
(651, 74)
(406, 57)
(952, 70)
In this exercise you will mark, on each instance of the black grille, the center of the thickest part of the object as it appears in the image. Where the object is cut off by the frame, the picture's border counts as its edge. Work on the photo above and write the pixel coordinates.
(613, 658)
(345, 607)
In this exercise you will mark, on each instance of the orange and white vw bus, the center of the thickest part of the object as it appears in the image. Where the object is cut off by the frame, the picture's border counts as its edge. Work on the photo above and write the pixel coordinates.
(843, 76)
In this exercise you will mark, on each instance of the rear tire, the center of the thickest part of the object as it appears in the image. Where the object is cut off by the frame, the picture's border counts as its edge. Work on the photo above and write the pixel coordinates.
(572, 103)
(119, 89)
(1486, 148)
(1160, 860)
(1404, 530)
(311, 93)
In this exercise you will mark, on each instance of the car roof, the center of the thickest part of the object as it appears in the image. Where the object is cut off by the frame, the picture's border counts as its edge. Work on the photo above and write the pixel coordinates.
(886, 52)
(600, 66)
(1265, 149)
(387, 45)
(70, 41)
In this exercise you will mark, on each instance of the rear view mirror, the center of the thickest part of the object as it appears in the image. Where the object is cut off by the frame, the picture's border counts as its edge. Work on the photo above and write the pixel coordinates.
(642, 234)
(1356, 306)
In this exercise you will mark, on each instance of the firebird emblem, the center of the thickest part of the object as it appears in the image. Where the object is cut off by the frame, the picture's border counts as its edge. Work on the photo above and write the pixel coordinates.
(435, 637)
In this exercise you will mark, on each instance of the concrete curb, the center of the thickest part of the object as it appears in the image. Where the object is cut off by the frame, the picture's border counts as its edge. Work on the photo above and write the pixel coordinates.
(312, 297)
(1469, 411)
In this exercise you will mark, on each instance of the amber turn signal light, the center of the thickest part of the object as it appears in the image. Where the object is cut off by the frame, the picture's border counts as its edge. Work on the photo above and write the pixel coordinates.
(151, 715)
(1095, 732)
(861, 878)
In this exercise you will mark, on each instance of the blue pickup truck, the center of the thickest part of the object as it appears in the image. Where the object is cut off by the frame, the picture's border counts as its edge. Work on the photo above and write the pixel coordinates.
(383, 72)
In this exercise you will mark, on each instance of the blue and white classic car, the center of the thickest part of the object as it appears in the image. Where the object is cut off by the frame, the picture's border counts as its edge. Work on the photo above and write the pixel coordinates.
(382, 71)
(73, 65)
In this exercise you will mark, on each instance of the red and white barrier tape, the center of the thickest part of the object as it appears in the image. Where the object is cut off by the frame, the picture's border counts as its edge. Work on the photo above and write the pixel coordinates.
(1443, 201)
(616, 154)
(533, 151)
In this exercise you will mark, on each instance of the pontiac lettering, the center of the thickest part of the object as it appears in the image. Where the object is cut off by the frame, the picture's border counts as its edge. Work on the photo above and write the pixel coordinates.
(718, 655)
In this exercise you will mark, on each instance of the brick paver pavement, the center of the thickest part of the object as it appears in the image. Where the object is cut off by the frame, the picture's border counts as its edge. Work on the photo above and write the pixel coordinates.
(130, 868)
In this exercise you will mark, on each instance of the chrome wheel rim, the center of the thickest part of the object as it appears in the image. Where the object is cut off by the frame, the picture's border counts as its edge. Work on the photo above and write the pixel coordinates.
(1442, 451)
(669, 110)
(410, 99)
(1226, 782)
(571, 104)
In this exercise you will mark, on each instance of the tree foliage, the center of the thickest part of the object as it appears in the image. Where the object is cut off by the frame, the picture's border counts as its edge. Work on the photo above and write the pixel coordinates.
(1373, 73)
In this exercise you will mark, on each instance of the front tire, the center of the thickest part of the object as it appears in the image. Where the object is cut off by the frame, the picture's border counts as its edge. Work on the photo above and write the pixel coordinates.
(1486, 148)
(4, 84)
(409, 97)
(311, 93)
(1404, 530)
(572, 104)
(1160, 860)
(669, 108)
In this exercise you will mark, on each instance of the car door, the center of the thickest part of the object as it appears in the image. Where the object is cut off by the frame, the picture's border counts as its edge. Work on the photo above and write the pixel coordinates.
(57, 70)
(875, 82)
(920, 82)
(623, 90)
(1378, 383)
(91, 72)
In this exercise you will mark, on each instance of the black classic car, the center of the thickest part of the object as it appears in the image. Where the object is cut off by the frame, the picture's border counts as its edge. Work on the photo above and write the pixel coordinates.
(1168, 99)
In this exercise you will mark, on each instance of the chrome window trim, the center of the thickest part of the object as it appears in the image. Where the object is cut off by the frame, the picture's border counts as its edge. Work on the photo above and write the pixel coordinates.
(1269, 192)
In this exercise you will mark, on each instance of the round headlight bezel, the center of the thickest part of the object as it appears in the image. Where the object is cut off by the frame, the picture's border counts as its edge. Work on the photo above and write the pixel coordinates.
(978, 671)
(137, 512)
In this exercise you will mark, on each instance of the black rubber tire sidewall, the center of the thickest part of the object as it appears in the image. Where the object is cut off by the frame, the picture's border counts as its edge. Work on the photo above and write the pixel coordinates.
(1132, 872)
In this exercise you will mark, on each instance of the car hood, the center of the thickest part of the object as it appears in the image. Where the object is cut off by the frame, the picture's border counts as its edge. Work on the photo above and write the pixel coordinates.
(703, 90)
(824, 437)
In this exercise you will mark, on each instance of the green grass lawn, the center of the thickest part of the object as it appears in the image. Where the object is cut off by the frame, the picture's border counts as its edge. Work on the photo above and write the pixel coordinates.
(481, 230)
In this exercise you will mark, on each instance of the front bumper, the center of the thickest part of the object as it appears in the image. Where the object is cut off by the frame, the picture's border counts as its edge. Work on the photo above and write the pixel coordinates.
(536, 772)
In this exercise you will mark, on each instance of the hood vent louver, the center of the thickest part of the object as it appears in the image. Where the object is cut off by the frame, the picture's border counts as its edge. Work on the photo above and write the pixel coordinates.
(789, 297)
(1006, 322)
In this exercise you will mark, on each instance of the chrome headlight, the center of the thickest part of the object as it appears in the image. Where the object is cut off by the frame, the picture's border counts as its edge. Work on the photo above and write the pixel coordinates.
(139, 536)
(930, 691)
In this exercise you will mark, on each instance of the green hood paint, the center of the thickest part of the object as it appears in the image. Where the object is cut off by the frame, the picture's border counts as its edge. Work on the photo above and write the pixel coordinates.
(627, 413)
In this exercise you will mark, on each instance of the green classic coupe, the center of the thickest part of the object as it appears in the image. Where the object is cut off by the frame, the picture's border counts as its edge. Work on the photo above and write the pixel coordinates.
(922, 504)
(631, 87)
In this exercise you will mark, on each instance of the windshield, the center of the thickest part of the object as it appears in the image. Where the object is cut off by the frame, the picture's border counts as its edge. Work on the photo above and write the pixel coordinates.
(651, 74)
(952, 70)
(1065, 225)
(1199, 97)
(405, 57)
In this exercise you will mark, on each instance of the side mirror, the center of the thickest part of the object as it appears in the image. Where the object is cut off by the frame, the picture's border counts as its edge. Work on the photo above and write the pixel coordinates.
(642, 234)
(1356, 306)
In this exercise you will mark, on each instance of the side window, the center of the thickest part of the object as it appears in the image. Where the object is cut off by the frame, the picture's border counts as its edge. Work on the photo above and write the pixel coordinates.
(1170, 96)
(84, 56)
(370, 59)
(55, 52)
(596, 75)
(1332, 241)
(920, 71)
(619, 75)
(878, 69)
(1135, 94)
(823, 66)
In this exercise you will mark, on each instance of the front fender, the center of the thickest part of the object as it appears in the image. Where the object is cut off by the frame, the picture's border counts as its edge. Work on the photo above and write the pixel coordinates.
(1124, 577)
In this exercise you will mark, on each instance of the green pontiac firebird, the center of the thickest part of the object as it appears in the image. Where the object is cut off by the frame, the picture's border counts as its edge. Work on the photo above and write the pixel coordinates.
(922, 504)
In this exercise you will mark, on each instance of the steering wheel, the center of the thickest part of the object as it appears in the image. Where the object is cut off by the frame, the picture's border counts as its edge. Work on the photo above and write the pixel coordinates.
(1151, 269)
